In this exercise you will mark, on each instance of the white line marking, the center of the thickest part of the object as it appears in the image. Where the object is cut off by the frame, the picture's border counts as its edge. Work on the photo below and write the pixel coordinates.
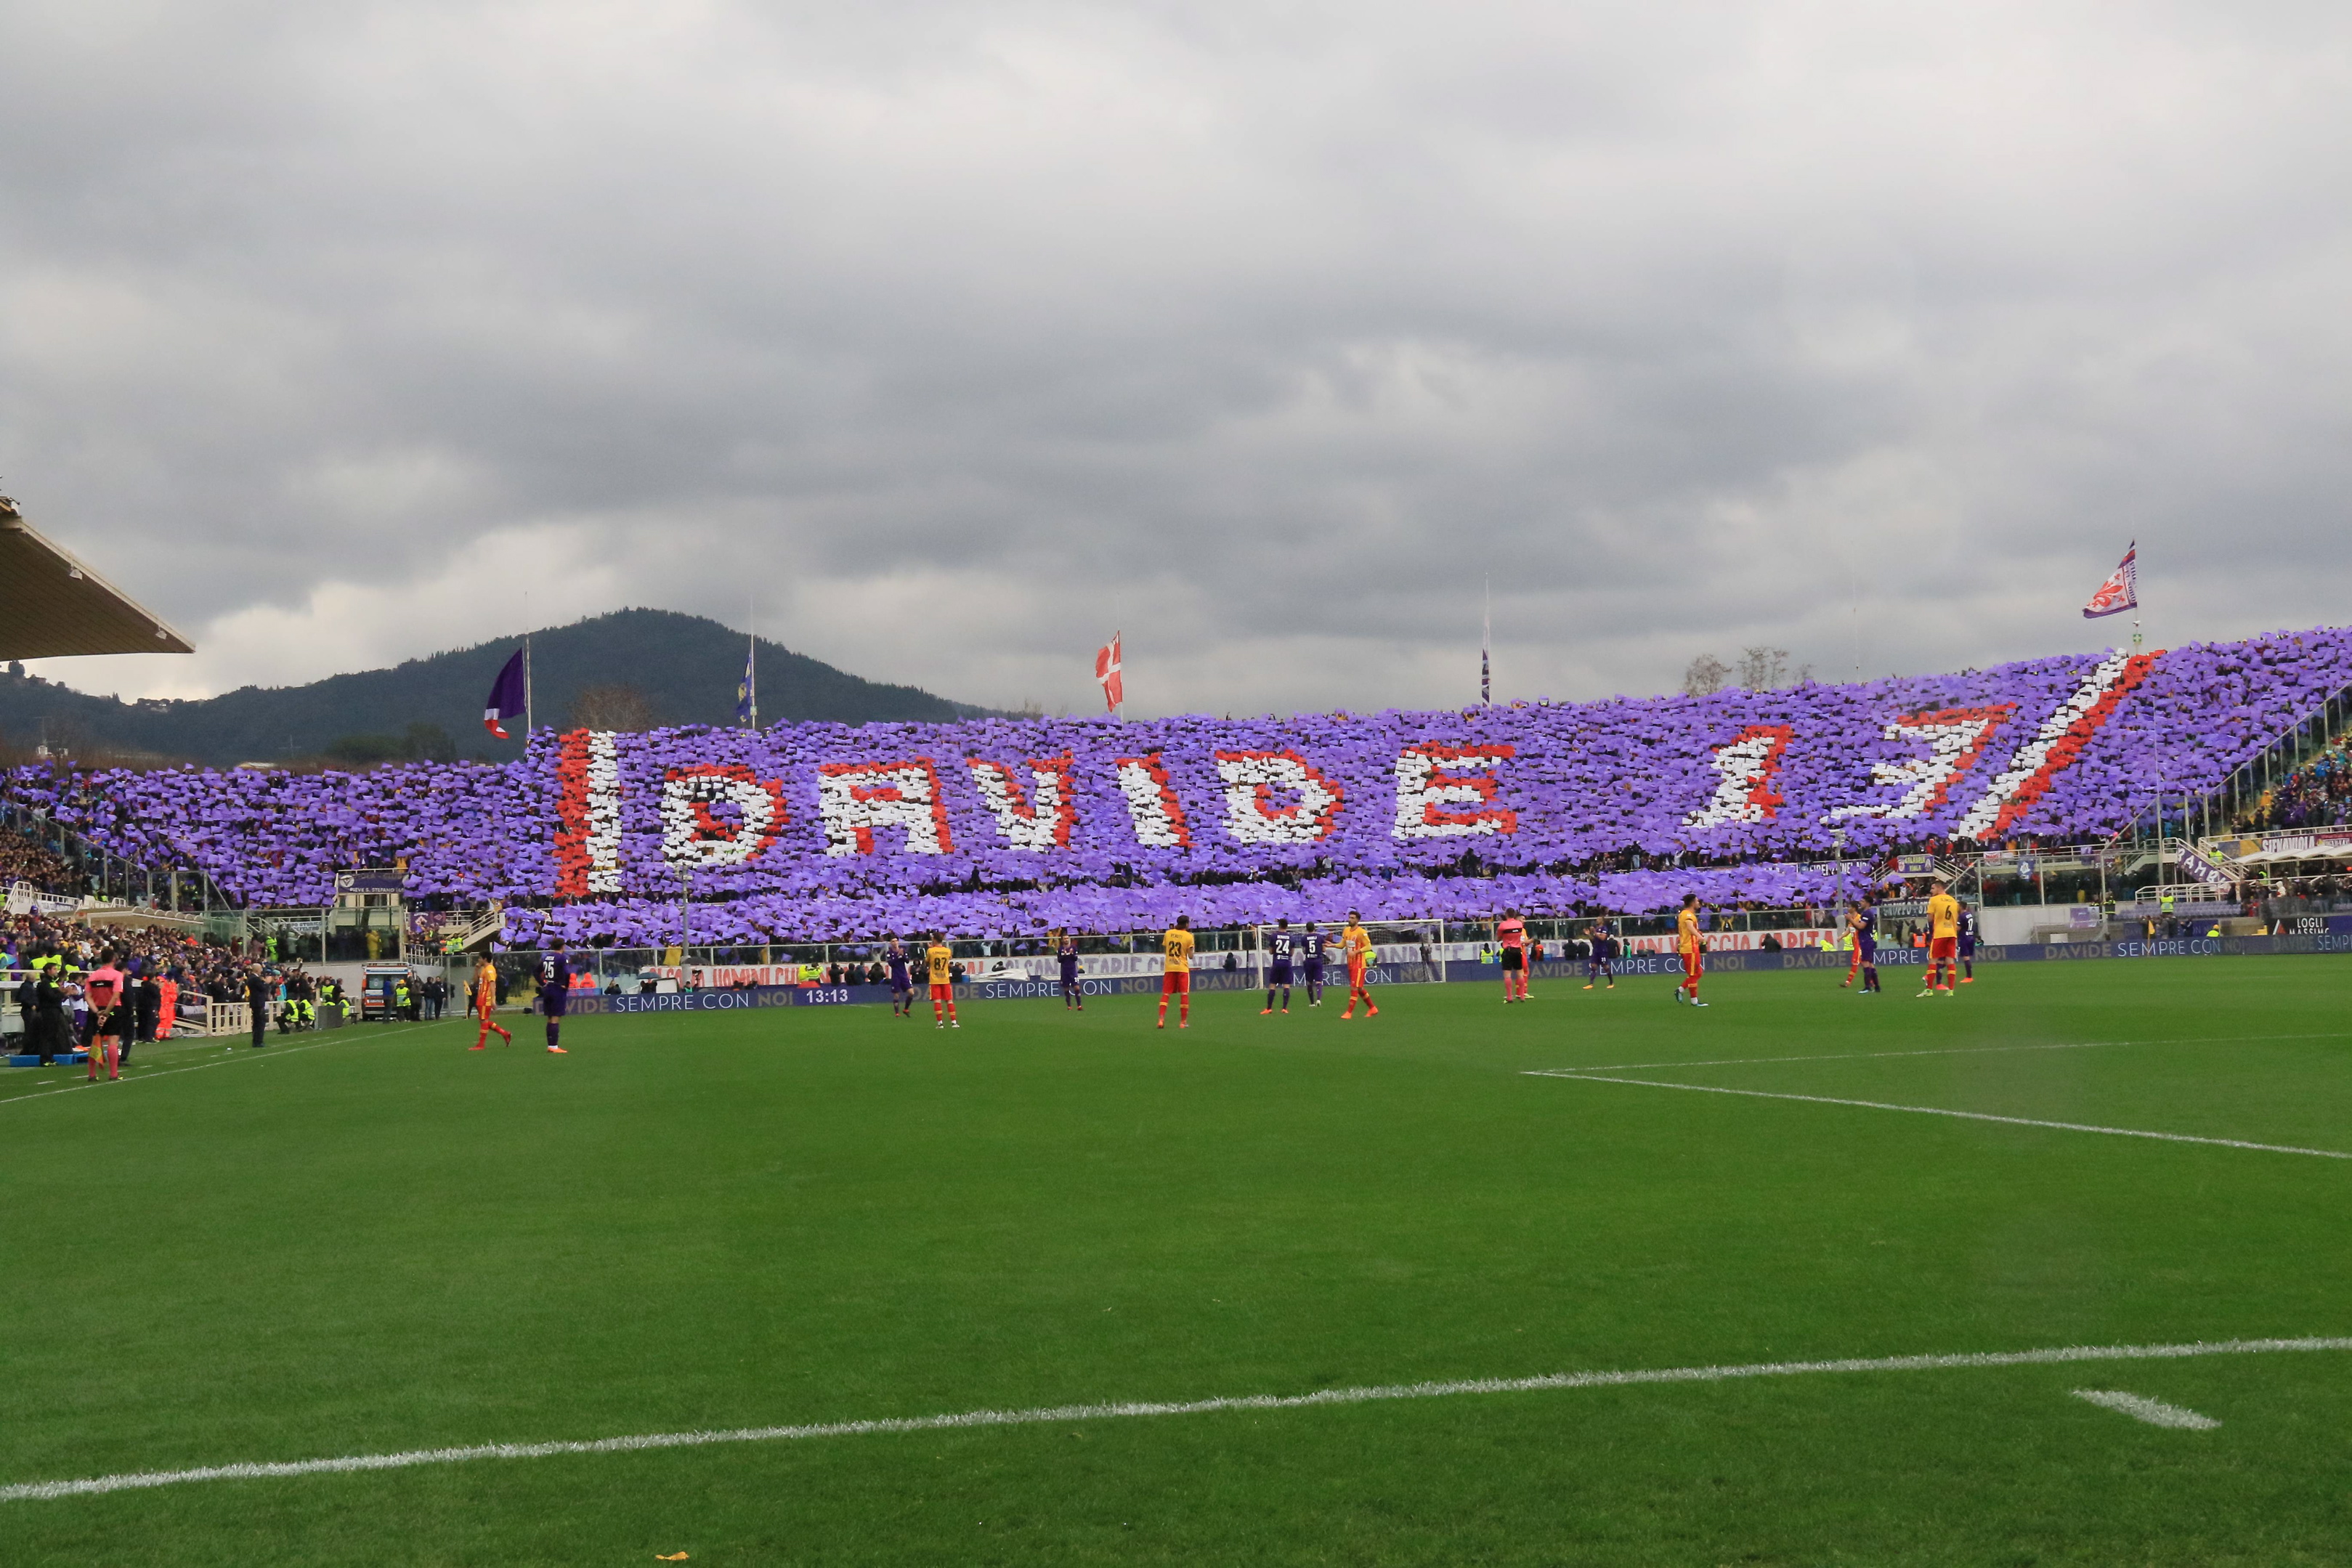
(266, 1054)
(1964, 1116)
(2154, 1412)
(44, 1491)
(1950, 1051)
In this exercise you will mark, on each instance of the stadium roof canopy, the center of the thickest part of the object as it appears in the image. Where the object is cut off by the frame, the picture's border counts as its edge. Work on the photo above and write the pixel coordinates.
(52, 606)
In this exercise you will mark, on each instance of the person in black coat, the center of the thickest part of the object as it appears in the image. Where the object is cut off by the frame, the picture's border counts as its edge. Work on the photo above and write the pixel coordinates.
(148, 998)
(257, 1000)
(52, 1035)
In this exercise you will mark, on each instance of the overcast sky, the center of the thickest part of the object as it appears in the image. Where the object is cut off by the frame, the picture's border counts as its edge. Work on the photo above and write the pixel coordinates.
(964, 334)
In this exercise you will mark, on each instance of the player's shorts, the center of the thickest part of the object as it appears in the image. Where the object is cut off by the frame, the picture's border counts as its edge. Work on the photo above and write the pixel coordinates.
(1176, 981)
(554, 1003)
(942, 991)
(1868, 949)
(1942, 947)
(1070, 977)
(1355, 972)
(1514, 958)
(1967, 947)
(1279, 975)
(1694, 964)
(901, 981)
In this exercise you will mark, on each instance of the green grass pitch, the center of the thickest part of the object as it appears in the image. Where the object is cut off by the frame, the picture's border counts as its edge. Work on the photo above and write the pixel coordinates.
(382, 1243)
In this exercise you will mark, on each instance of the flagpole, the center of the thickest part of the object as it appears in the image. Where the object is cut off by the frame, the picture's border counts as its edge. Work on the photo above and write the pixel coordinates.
(1485, 645)
(1119, 708)
(751, 662)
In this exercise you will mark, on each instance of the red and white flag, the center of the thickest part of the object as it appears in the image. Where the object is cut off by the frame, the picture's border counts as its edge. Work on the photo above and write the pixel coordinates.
(2120, 592)
(1106, 674)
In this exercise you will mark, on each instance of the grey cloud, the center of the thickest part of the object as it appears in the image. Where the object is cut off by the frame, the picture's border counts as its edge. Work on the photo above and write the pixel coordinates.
(963, 332)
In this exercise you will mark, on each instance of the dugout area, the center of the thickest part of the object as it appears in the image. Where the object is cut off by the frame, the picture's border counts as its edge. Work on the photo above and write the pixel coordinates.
(379, 1243)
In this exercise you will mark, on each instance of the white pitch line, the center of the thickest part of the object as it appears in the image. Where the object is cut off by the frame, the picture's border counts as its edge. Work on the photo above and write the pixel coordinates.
(45, 1491)
(1964, 1116)
(267, 1055)
(1943, 1050)
(2154, 1412)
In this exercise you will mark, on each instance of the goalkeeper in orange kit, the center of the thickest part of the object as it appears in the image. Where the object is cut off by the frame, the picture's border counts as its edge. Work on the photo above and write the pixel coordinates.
(1356, 946)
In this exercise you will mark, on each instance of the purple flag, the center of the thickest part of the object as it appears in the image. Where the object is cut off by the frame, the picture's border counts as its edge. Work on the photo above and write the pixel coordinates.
(506, 699)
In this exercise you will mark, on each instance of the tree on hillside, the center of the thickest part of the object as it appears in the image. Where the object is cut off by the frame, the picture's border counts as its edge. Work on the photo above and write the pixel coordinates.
(610, 707)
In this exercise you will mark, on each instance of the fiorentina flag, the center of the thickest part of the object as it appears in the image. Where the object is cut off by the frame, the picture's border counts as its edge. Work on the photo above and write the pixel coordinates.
(1106, 674)
(506, 699)
(746, 707)
(2120, 592)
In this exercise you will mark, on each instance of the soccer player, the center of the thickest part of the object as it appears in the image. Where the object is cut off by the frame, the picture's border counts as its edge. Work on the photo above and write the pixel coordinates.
(1176, 972)
(1356, 946)
(1310, 952)
(1863, 920)
(1279, 944)
(1066, 953)
(940, 960)
(1943, 940)
(1511, 935)
(1968, 945)
(1600, 948)
(1687, 944)
(555, 994)
(902, 979)
(486, 1004)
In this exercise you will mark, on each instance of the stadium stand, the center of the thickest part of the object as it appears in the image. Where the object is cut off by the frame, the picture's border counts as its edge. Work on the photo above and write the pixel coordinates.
(803, 832)
(2318, 794)
(38, 866)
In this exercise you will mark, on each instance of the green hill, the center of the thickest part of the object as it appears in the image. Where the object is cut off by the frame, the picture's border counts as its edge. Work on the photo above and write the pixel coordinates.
(630, 669)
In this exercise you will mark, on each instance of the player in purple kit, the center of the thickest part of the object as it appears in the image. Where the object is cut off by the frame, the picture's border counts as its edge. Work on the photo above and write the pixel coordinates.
(555, 994)
(1066, 952)
(1865, 944)
(1279, 944)
(1968, 945)
(1600, 947)
(1310, 952)
(902, 979)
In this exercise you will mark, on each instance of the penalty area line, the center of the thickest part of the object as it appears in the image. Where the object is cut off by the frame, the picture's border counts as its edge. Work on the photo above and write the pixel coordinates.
(269, 1470)
(1943, 1111)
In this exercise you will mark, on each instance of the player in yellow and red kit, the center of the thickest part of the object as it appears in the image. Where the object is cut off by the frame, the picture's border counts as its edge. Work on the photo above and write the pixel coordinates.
(1943, 941)
(1176, 972)
(486, 1003)
(1356, 946)
(1687, 944)
(940, 960)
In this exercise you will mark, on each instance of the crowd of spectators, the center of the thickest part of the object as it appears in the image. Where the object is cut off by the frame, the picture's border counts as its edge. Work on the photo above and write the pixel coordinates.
(2317, 795)
(22, 860)
(203, 966)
